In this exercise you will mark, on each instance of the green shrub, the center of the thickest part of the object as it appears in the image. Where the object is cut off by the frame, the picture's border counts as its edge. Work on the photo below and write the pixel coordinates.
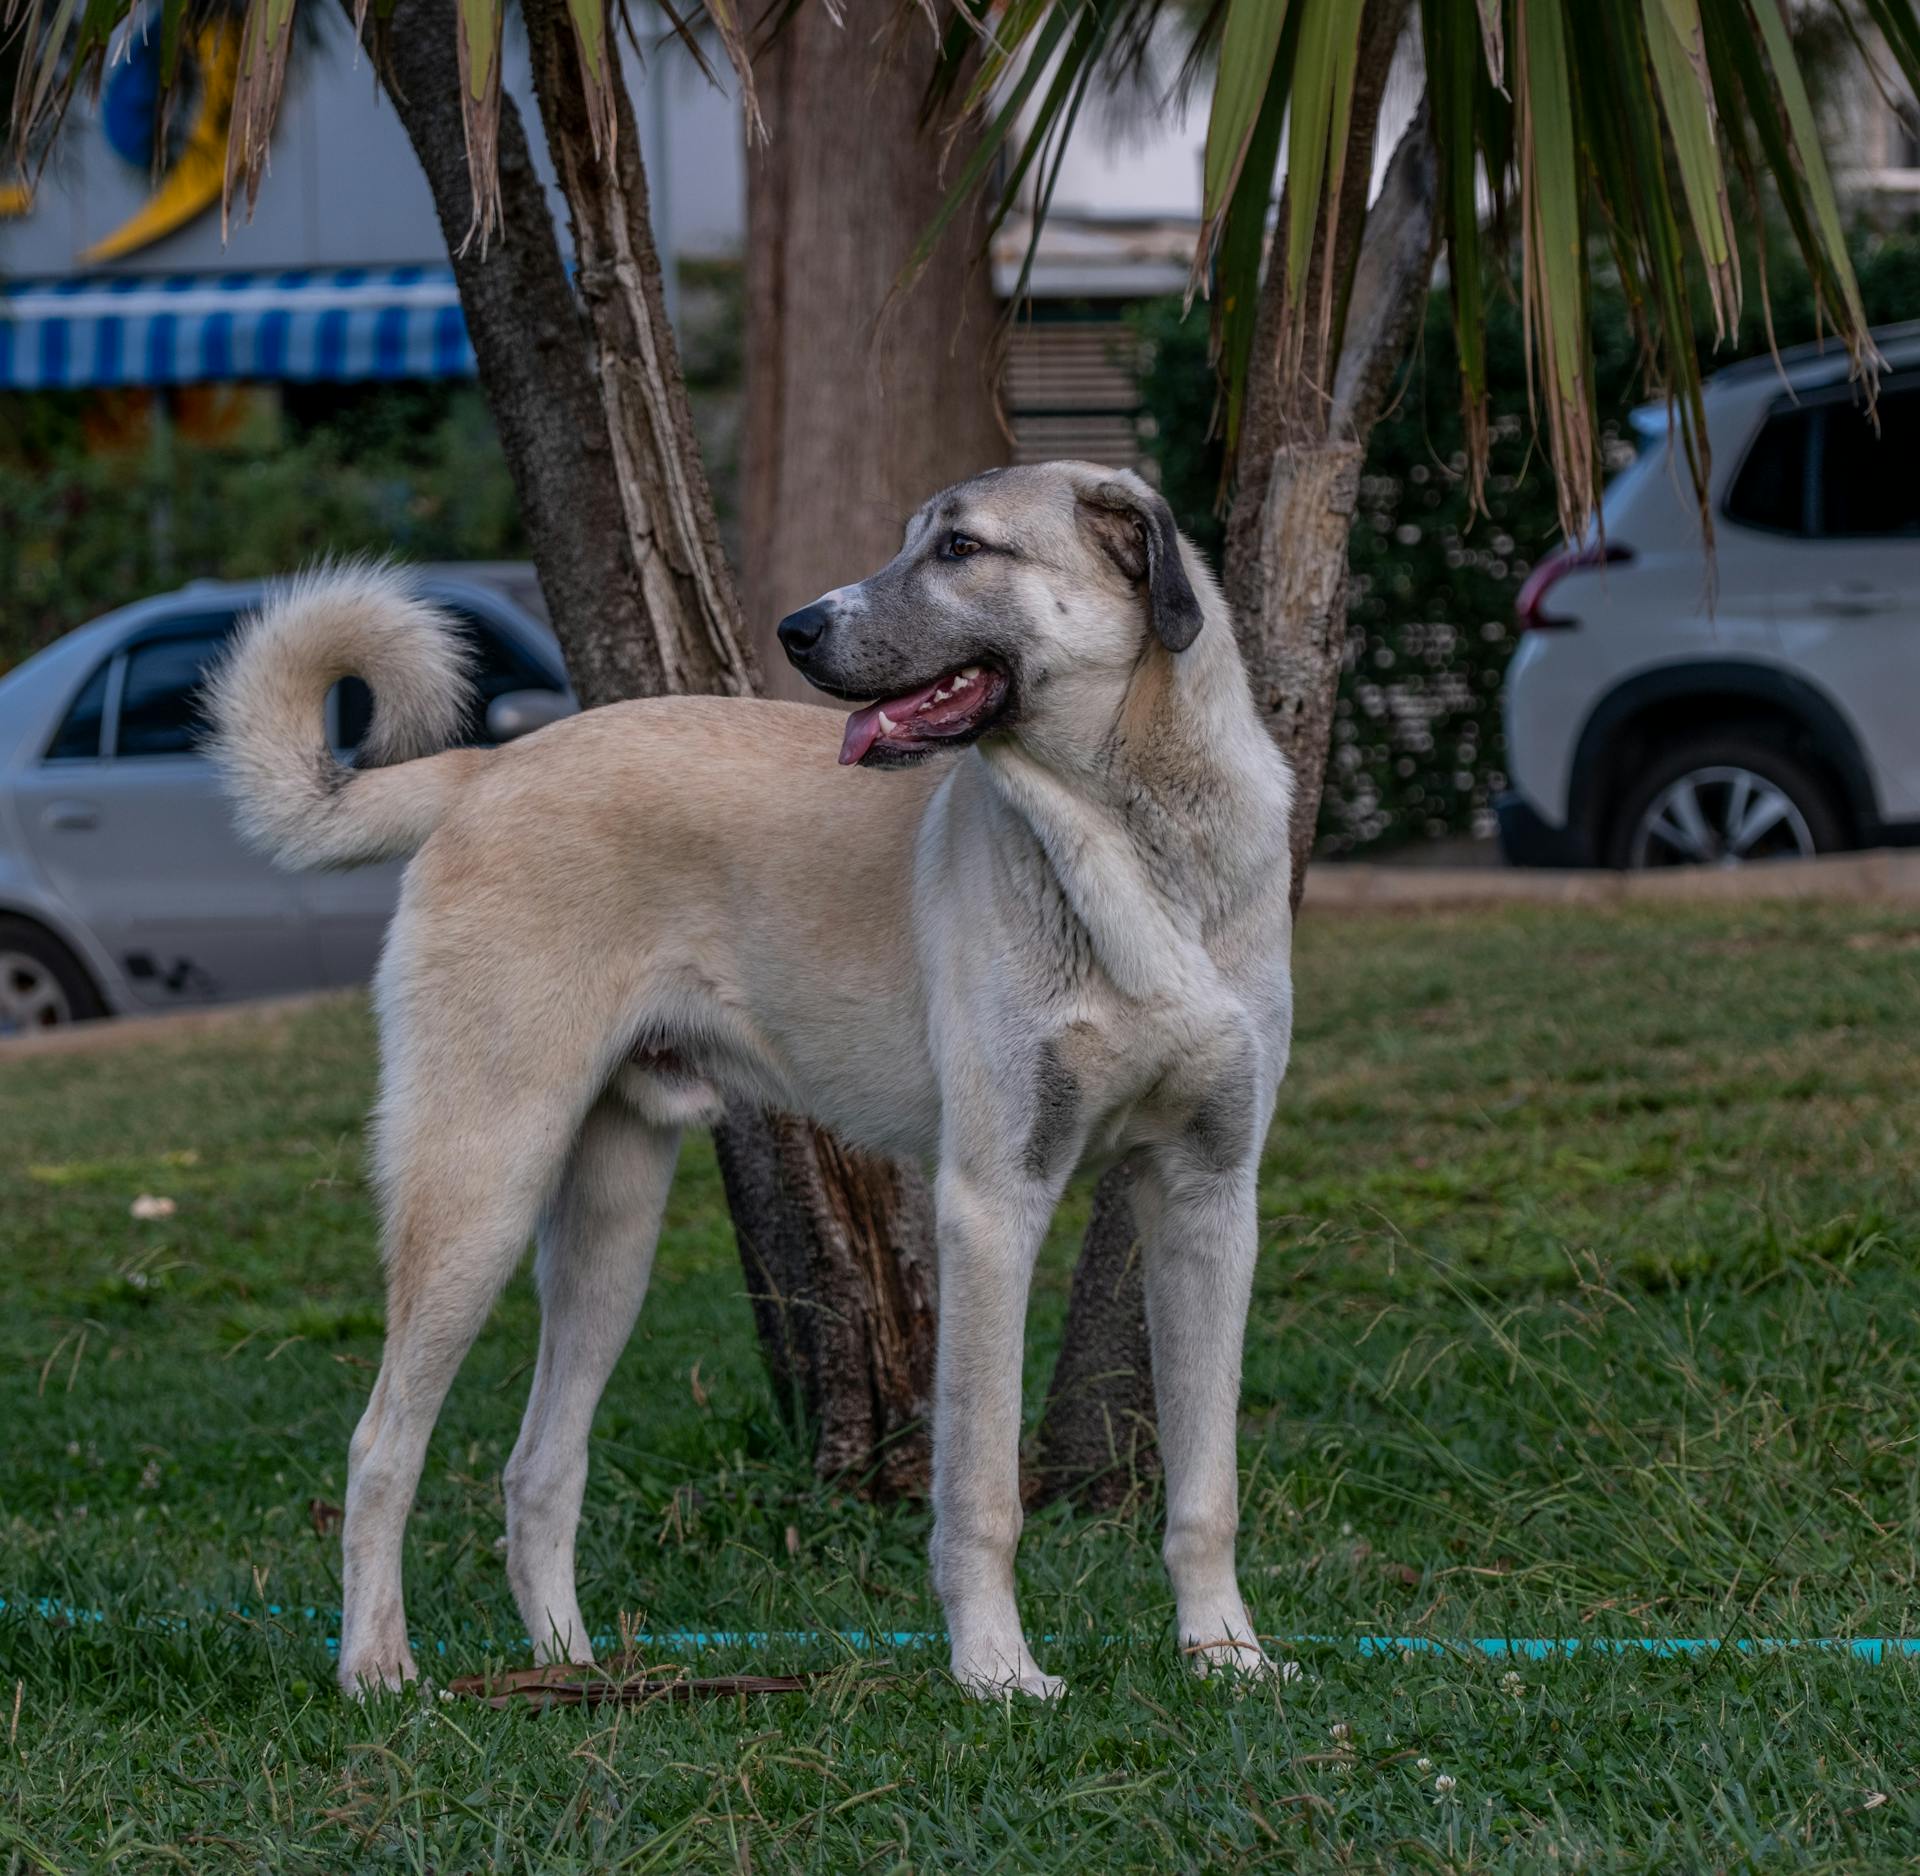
(415, 470)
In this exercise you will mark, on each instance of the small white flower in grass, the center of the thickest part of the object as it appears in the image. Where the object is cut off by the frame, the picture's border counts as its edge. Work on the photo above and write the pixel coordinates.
(1443, 1785)
(148, 1206)
(1423, 1766)
(1340, 1729)
(150, 1476)
(1512, 1685)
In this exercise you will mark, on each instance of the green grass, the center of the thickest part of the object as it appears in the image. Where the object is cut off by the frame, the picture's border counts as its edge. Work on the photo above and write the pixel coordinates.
(1587, 1307)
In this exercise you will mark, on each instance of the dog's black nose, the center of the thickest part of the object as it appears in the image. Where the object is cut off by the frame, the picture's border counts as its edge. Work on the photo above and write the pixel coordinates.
(800, 631)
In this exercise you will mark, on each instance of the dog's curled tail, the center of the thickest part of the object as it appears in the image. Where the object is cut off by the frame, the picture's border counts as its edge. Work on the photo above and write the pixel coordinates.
(292, 797)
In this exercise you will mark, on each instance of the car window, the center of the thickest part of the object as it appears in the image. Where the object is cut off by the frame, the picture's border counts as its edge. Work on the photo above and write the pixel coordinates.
(161, 712)
(1867, 483)
(503, 666)
(1771, 489)
(78, 737)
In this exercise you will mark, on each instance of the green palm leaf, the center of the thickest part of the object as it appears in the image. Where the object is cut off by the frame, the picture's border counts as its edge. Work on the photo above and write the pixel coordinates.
(1611, 122)
(480, 24)
(1813, 168)
(1606, 119)
(1679, 56)
(265, 35)
(1249, 43)
(1553, 262)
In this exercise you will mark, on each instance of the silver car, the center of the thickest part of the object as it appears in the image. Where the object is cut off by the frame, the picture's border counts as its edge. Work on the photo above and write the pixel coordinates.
(123, 887)
(1656, 720)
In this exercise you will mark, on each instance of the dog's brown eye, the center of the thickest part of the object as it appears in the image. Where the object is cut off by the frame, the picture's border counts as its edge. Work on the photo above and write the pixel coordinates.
(959, 546)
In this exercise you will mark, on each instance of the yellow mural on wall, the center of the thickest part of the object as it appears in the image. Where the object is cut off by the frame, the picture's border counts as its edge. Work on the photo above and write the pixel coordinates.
(192, 185)
(192, 182)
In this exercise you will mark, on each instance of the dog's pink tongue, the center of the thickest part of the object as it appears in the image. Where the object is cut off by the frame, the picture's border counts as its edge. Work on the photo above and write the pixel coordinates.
(863, 727)
(863, 731)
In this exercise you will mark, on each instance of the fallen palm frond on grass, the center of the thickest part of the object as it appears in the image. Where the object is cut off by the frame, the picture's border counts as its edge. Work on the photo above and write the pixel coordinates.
(621, 1682)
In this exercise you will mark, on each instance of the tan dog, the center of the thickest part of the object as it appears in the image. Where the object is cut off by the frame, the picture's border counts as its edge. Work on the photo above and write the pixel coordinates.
(1063, 932)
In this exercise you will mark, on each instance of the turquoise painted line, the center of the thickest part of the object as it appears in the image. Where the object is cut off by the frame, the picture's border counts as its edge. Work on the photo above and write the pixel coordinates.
(861, 1641)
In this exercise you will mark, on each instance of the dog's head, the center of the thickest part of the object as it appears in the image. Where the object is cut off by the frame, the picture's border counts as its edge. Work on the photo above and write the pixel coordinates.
(1012, 598)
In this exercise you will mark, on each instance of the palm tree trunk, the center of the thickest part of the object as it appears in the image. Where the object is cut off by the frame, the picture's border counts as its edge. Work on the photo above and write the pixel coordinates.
(593, 419)
(1302, 448)
(535, 365)
(860, 403)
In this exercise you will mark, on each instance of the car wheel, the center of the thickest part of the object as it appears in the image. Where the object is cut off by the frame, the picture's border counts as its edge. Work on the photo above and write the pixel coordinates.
(1724, 800)
(42, 984)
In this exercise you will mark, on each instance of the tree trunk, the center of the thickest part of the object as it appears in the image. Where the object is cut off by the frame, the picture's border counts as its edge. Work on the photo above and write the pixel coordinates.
(859, 404)
(1097, 1433)
(839, 1256)
(535, 365)
(852, 419)
(593, 419)
(687, 598)
(1302, 448)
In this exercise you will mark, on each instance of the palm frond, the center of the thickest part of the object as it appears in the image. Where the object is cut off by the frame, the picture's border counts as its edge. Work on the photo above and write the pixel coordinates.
(1249, 46)
(1618, 126)
(1459, 71)
(479, 24)
(1554, 259)
(1899, 28)
(1236, 283)
(265, 34)
(58, 49)
(593, 44)
(1679, 56)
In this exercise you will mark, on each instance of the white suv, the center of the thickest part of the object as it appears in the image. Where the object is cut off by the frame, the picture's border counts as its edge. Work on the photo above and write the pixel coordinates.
(1654, 722)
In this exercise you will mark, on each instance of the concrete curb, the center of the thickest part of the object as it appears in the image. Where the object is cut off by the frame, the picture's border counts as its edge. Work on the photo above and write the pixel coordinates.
(1886, 876)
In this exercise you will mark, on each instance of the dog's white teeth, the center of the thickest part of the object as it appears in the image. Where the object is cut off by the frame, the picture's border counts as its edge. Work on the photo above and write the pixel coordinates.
(969, 674)
(939, 696)
(887, 724)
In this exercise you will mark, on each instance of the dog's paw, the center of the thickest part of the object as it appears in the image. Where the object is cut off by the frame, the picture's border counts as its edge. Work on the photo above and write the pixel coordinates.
(1034, 1684)
(363, 1678)
(996, 1677)
(1233, 1650)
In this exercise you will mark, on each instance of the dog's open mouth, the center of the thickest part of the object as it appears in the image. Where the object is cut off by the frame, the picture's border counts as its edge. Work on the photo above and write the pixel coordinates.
(953, 708)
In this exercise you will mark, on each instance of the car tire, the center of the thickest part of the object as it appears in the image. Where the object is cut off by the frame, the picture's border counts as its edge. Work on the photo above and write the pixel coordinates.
(1655, 825)
(42, 984)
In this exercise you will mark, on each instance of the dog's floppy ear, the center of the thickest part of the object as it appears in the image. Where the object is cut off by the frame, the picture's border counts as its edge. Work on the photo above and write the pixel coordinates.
(1134, 526)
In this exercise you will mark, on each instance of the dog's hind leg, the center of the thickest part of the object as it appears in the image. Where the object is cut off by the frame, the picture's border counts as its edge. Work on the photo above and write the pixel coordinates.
(465, 1180)
(1199, 1224)
(596, 1252)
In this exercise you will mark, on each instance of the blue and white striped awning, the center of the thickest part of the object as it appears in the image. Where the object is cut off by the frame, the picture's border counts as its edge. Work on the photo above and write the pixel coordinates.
(343, 326)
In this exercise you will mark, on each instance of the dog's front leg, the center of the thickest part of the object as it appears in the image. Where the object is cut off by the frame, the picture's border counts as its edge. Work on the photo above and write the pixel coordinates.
(990, 1228)
(1200, 1226)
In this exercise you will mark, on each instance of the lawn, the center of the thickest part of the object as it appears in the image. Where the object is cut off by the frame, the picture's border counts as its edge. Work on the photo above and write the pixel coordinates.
(1587, 1308)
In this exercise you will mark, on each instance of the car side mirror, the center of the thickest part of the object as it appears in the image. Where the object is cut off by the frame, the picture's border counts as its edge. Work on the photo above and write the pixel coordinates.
(521, 712)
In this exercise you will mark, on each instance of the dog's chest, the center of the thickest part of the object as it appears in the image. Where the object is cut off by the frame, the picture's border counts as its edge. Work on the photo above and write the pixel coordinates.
(1097, 1069)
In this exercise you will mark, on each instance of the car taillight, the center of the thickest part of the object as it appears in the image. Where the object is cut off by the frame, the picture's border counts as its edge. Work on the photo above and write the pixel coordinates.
(1530, 609)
